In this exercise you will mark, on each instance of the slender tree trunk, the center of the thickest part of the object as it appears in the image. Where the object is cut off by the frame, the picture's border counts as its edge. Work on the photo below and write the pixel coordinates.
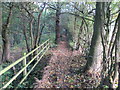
(38, 29)
(57, 27)
(79, 37)
(6, 44)
(1, 38)
(26, 39)
(118, 50)
(31, 33)
(75, 34)
(113, 67)
(41, 33)
(116, 46)
(119, 77)
(95, 58)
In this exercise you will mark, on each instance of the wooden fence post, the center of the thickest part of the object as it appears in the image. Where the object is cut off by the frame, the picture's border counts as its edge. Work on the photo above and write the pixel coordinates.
(24, 64)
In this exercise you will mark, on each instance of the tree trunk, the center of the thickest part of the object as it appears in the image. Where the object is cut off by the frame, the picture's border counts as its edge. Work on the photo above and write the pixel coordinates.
(115, 47)
(118, 88)
(79, 37)
(75, 34)
(26, 39)
(6, 44)
(1, 38)
(57, 27)
(95, 58)
(31, 33)
(118, 50)
(38, 28)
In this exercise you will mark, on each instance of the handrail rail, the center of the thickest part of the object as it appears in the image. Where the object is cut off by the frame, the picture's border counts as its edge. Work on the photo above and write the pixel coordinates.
(33, 67)
(45, 48)
(19, 60)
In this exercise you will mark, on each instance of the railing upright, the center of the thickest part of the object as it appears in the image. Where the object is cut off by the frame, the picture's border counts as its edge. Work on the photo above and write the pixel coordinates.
(24, 64)
(40, 51)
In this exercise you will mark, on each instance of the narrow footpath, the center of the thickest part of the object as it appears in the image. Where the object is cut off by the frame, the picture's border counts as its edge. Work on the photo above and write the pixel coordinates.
(64, 69)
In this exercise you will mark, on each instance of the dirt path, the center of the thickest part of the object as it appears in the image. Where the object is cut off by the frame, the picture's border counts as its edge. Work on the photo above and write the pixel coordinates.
(65, 70)
(59, 66)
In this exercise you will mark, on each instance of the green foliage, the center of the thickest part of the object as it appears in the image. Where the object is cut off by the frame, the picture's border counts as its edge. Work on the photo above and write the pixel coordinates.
(105, 86)
(71, 43)
(7, 76)
(10, 73)
(49, 35)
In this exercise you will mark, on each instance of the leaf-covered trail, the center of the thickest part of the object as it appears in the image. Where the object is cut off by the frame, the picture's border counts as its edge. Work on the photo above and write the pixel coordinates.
(62, 67)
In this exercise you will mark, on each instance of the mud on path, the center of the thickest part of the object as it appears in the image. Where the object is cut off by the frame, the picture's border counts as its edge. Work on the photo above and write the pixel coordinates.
(59, 67)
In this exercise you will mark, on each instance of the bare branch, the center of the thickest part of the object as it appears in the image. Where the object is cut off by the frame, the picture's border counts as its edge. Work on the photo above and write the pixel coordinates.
(77, 16)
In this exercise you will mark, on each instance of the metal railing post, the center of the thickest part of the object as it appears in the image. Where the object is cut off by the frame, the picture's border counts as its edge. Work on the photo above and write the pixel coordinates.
(41, 50)
(24, 64)
(37, 53)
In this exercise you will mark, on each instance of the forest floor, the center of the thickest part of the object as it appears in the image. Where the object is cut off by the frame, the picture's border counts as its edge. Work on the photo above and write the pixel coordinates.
(59, 68)
(64, 69)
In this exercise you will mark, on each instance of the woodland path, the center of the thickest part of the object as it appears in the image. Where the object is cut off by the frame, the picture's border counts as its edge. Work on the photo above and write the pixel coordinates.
(59, 69)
